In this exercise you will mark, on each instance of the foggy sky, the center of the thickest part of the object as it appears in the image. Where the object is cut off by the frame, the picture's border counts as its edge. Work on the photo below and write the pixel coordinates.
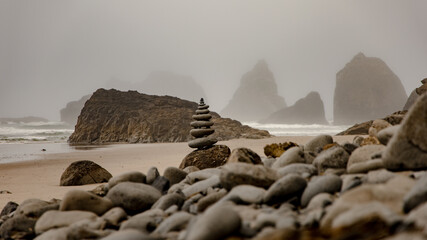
(53, 52)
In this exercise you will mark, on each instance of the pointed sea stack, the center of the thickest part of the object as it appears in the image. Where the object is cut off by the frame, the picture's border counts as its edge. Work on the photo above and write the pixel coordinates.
(202, 128)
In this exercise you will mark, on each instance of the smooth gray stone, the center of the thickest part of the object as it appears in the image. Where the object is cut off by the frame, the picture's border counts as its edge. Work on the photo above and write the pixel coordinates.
(128, 234)
(234, 174)
(145, 224)
(202, 111)
(317, 143)
(162, 184)
(176, 222)
(169, 200)
(268, 162)
(365, 153)
(204, 106)
(216, 223)
(202, 117)
(202, 142)
(34, 208)
(416, 196)
(200, 124)
(152, 174)
(201, 186)
(379, 176)
(203, 174)
(191, 169)
(287, 187)
(134, 176)
(210, 199)
(85, 201)
(174, 175)
(244, 155)
(8, 208)
(350, 181)
(245, 194)
(334, 157)
(115, 216)
(302, 169)
(320, 184)
(201, 132)
(18, 225)
(349, 147)
(364, 167)
(133, 197)
(190, 201)
(386, 134)
(321, 200)
(56, 219)
(407, 149)
(418, 216)
(292, 155)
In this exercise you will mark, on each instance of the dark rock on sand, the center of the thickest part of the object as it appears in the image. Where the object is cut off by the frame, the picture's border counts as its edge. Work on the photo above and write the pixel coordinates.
(133, 197)
(84, 172)
(407, 149)
(308, 110)
(216, 223)
(207, 158)
(85, 201)
(244, 155)
(321, 184)
(115, 116)
(285, 188)
(366, 89)
(256, 97)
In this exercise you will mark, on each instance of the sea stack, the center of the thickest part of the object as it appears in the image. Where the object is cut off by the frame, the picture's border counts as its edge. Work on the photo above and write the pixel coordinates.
(202, 128)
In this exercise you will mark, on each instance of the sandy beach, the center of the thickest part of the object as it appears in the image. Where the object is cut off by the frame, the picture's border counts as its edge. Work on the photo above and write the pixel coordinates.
(40, 178)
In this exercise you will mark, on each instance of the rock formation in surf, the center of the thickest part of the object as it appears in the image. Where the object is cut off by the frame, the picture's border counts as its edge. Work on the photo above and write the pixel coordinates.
(308, 110)
(115, 116)
(366, 88)
(257, 97)
(202, 128)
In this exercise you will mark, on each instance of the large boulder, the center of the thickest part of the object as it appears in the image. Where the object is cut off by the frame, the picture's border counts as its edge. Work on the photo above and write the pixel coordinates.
(115, 116)
(366, 88)
(415, 94)
(256, 97)
(407, 149)
(207, 158)
(308, 110)
(84, 172)
(71, 112)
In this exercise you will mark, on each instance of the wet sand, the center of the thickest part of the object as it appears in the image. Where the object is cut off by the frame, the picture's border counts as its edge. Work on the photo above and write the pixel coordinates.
(40, 178)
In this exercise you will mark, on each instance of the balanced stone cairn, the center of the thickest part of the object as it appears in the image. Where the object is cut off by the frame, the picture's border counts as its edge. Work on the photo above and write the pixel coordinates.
(202, 128)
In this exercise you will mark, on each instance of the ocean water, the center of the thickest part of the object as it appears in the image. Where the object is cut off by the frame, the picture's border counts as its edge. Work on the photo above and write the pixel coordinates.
(298, 129)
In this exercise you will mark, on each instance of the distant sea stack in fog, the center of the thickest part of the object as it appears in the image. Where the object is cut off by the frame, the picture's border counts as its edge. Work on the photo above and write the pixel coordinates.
(256, 97)
(113, 116)
(308, 110)
(366, 88)
(71, 112)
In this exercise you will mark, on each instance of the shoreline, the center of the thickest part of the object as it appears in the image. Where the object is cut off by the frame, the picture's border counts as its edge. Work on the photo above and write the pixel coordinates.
(40, 178)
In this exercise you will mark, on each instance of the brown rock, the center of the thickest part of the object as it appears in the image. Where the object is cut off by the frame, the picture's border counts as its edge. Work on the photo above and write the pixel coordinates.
(370, 141)
(277, 149)
(207, 158)
(115, 116)
(377, 126)
(244, 155)
(84, 172)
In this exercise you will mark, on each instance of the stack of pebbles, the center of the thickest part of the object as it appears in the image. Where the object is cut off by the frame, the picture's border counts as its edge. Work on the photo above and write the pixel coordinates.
(202, 128)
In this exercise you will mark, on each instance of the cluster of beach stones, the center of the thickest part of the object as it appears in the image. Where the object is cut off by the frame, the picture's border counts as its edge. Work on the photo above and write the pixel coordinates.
(321, 190)
(202, 128)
